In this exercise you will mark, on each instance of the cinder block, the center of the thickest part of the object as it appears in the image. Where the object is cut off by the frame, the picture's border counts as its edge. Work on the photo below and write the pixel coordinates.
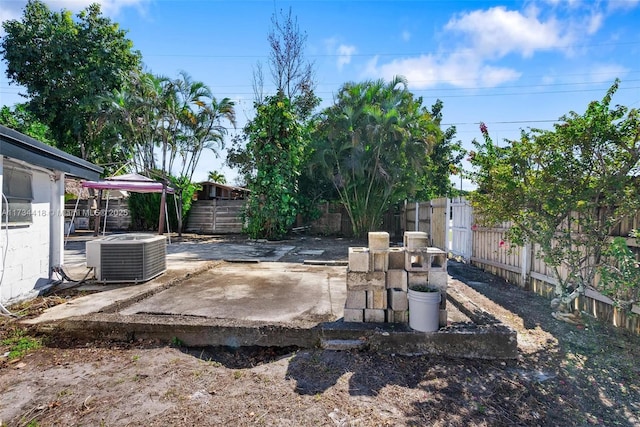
(438, 279)
(377, 298)
(359, 259)
(374, 315)
(397, 299)
(438, 259)
(379, 261)
(417, 278)
(415, 240)
(396, 258)
(443, 318)
(394, 316)
(356, 299)
(353, 315)
(378, 241)
(359, 281)
(397, 279)
(416, 260)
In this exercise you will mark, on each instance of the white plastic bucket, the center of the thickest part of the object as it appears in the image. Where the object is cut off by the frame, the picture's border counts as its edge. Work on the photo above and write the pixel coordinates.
(424, 311)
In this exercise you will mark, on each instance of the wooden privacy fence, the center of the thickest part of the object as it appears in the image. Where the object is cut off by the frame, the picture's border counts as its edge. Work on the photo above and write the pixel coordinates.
(215, 216)
(446, 221)
(84, 214)
(450, 225)
(523, 266)
(430, 217)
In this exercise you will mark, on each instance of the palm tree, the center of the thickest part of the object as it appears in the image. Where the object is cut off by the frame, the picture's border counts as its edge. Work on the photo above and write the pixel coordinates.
(206, 132)
(193, 123)
(372, 143)
(216, 176)
(180, 117)
(136, 110)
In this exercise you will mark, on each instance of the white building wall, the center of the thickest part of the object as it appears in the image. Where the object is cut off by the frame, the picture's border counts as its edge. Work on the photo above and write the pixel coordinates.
(26, 265)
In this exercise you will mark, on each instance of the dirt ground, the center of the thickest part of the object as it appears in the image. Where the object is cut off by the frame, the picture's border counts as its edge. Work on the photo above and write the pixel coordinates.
(565, 375)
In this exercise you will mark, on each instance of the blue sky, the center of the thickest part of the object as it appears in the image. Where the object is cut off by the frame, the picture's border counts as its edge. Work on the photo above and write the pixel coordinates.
(510, 64)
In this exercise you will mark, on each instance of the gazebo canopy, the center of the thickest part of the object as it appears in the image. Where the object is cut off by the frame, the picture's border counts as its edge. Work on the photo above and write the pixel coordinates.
(129, 182)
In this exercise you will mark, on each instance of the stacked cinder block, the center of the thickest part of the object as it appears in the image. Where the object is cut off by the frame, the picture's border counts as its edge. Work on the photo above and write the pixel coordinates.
(426, 266)
(378, 277)
(366, 291)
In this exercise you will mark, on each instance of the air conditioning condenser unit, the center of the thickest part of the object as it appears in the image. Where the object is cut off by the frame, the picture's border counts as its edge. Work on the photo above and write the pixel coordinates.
(134, 257)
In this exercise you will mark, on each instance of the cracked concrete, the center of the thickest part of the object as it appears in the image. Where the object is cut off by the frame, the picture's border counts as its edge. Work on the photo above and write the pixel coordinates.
(203, 300)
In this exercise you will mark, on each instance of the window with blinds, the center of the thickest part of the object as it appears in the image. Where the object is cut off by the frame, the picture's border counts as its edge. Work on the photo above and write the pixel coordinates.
(17, 188)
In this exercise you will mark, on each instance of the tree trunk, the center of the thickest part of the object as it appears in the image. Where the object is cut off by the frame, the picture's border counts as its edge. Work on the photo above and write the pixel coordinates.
(96, 217)
(163, 202)
(178, 194)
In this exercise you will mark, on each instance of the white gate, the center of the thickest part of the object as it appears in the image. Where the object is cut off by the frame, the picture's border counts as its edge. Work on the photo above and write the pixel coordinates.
(460, 235)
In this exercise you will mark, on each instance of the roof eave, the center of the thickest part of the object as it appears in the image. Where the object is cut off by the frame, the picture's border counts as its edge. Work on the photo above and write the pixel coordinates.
(22, 147)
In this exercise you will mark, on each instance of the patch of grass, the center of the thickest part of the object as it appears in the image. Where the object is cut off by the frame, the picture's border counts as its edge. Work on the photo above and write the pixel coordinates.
(215, 363)
(64, 392)
(171, 393)
(20, 343)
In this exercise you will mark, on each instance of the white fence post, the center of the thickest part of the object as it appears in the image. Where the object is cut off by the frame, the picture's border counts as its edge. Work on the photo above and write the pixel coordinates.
(525, 261)
(448, 230)
(460, 229)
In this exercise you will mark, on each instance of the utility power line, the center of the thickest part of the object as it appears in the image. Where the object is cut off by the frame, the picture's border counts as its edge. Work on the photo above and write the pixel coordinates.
(254, 56)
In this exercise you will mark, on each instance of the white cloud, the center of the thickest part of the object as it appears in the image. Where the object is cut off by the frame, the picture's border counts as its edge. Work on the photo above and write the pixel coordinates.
(493, 76)
(622, 4)
(344, 55)
(461, 69)
(549, 78)
(497, 32)
(606, 72)
(570, 3)
(108, 7)
(480, 42)
(595, 23)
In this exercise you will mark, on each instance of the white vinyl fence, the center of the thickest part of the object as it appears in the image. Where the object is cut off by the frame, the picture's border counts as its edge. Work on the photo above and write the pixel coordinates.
(451, 227)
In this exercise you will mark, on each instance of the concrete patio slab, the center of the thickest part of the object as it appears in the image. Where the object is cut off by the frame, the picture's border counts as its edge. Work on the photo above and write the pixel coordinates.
(203, 301)
(265, 292)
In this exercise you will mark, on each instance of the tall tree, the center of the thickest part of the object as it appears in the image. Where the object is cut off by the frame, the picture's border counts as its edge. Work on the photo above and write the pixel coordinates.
(66, 64)
(274, 141)
(292, 76)
(179, 118)
(291, 73)
(200, 123)
(20, 119)
(195, 124)
(373, 145)
(564, 190)
(137, 111)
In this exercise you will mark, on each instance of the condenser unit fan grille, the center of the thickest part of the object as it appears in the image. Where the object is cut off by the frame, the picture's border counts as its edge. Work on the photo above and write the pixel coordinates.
(132, 261)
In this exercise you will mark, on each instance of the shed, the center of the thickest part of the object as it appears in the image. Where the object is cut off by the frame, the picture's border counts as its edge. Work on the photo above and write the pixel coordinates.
(216, 191)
